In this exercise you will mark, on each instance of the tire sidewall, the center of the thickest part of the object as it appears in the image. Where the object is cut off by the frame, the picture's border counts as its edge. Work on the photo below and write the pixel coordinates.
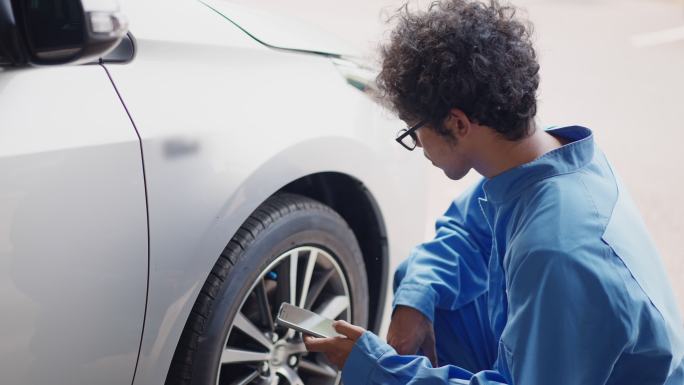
(308, 227)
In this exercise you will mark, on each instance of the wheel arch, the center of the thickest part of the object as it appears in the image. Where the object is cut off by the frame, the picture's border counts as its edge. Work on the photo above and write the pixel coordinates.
(362, 183)
(350, 198)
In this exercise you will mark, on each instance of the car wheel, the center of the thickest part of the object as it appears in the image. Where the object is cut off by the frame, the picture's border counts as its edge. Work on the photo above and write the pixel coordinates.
(291, 249)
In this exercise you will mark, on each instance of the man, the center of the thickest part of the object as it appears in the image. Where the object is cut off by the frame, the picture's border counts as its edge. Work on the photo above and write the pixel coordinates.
(542, 273)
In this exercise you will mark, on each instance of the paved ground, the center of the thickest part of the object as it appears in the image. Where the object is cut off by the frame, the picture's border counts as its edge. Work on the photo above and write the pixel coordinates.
(602, 66)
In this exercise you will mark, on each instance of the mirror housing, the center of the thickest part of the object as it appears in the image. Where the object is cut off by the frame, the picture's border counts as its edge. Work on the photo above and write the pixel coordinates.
(11, 50)
(48, 32)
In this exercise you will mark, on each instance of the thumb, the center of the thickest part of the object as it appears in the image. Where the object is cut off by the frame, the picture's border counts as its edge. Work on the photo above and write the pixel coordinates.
(348, 330)
(314, 344)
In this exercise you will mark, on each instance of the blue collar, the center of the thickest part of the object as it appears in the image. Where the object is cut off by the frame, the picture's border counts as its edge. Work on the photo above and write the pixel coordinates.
(569, 158)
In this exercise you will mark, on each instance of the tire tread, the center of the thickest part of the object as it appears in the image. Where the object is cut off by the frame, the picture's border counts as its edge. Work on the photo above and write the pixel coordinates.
(270, 211)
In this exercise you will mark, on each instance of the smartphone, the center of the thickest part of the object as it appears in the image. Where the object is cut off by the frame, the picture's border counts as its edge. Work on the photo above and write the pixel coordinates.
(305, 321)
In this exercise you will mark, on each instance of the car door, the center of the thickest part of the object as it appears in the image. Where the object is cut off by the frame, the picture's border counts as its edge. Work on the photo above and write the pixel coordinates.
(73, 229)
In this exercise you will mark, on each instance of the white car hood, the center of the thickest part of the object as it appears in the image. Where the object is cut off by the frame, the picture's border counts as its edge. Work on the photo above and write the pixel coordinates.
(282, 32)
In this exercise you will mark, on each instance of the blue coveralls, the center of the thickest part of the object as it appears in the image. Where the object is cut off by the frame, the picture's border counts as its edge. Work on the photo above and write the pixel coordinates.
(542, 275)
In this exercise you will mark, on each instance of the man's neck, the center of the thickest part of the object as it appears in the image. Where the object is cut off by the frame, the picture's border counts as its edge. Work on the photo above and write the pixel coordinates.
(501, 155)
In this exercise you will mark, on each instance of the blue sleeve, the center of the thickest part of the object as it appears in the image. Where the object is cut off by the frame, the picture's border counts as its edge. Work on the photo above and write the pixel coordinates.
(373, 362)
(568, 318)
(567, 325)
(450, 270)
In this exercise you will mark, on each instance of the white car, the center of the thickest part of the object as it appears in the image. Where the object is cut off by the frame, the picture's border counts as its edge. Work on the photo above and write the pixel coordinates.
(159, 201)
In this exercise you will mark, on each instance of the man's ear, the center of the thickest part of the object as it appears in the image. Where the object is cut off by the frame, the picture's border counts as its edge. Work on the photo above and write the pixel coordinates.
(458, 123)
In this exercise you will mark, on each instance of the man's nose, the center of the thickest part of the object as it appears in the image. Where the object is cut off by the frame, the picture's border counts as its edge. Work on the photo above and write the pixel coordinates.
(418, 144)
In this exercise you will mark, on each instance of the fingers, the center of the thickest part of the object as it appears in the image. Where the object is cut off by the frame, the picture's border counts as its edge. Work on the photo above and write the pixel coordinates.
(349, 331)
(352, 332)
(335, 349)
(314, 344)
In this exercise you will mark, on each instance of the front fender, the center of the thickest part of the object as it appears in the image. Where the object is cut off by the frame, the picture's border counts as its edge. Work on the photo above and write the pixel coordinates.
(186, 241)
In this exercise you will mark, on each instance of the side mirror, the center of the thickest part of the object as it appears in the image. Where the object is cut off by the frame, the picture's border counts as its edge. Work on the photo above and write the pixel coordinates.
(45, 32)
(11, 50)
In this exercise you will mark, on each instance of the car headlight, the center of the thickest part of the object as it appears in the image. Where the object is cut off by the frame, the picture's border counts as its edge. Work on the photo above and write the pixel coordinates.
(359, 75)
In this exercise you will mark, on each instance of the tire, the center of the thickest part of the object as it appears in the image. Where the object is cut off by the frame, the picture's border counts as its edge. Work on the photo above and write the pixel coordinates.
(250, 280)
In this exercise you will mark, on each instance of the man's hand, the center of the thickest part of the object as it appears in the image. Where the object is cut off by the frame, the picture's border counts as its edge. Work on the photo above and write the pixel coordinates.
(410, 330)
(336, 349)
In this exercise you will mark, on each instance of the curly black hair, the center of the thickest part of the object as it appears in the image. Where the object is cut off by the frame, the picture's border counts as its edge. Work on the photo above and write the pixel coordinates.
(474, 56)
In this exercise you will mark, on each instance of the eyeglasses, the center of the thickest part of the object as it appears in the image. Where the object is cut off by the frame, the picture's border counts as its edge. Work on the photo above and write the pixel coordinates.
(407, 136)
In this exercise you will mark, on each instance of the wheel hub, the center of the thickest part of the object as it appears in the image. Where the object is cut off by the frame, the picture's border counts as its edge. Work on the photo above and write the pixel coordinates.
(279, 355)
(301, 275)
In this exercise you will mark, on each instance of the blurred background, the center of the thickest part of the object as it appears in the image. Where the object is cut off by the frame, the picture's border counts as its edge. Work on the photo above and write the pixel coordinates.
(616, 66)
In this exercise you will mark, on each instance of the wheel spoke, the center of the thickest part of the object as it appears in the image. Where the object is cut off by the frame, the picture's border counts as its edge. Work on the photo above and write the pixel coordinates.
(282, 289)
(294, 257)
(304, 276)
(333, 308)
(317, 287)
(231, 356)
(246, 380)
(290, 375)
(243, 323)
(313, 255)
(318, 369)
(264, 305)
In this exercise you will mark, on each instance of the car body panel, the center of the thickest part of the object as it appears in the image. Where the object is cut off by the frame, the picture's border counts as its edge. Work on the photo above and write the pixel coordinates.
(187, 22)
(73, 229)
(282, 32)
(242, 122)
(224, 123)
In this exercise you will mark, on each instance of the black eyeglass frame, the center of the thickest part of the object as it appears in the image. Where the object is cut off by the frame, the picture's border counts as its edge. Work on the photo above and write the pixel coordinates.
(404, 132)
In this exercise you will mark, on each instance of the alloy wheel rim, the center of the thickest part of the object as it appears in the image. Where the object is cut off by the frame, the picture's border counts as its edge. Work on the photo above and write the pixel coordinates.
(257, 350)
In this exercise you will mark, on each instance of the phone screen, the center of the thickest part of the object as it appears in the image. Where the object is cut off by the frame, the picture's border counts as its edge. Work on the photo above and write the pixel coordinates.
(306, 321)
